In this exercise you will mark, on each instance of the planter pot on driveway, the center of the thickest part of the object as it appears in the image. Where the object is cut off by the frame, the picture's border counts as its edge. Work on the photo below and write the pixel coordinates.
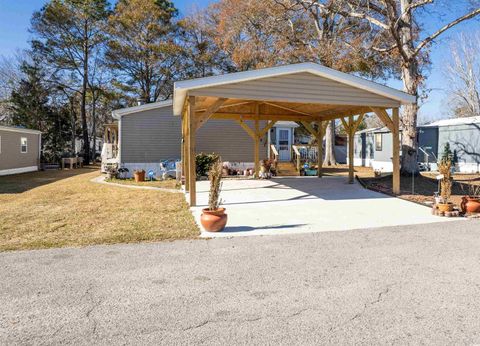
(445, 207)
(213, 220)
(471, 204)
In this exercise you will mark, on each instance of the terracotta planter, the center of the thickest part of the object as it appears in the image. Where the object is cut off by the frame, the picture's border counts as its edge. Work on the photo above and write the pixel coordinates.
(213, 220)
(139, 176)
(445, 206)
(470, 204)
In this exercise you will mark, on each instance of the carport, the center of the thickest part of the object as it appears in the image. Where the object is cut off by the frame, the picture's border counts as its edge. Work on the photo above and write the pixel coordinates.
(307, 93)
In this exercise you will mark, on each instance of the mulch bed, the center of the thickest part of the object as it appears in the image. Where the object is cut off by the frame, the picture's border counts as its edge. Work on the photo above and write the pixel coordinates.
(424, 187)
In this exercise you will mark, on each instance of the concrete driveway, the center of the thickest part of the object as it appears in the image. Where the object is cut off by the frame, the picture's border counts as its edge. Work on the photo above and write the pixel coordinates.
(404, 285)
(307, 204)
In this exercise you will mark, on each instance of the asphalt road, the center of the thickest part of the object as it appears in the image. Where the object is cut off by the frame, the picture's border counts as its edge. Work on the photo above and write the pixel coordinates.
(405, 285)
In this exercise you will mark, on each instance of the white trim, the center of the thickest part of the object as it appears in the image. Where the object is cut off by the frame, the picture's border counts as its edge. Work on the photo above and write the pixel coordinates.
(277, 145)
(19, 129)
(181, 88)
(21, 145)
(119, 140)
(118, 113)
(18, 170)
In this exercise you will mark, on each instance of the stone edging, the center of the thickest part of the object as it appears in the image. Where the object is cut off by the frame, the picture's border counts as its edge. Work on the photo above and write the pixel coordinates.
(101, 180)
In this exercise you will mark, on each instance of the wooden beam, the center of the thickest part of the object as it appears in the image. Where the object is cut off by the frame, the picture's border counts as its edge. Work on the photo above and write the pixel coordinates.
(247, 129)
(396, 151)
(345, 125)
(202, 119)
(287, 108)
(350, 149)
(383, 115)
(358, 122)
(310, 129)
(257, 151)
(267, 128)
(192, 169)
(186, 148)
(251, 116)
(182, 148)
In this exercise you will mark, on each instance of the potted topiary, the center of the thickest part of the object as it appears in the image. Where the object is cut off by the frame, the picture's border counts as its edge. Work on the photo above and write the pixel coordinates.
(471, 202)
(444, 168)
(213, 218)
(139, 175)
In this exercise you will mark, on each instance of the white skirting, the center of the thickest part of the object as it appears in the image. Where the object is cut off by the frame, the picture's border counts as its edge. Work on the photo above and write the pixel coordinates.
(18, 170)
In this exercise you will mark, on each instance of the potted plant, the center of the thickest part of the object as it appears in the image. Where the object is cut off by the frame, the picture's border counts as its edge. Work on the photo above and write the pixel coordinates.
(111, 171)
(139, 175)
(213, 218)
(471, 202)
(444, 168)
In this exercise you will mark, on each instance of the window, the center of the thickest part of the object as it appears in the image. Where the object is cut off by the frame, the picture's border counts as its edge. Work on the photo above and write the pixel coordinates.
(378, 141)
(23, 144)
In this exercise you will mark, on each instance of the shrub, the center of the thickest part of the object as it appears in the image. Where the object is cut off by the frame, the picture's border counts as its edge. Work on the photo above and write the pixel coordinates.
(204, 162)
(215, 176)
(444, 168)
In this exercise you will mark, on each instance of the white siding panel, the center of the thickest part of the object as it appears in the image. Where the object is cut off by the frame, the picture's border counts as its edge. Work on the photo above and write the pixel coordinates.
(301, 87)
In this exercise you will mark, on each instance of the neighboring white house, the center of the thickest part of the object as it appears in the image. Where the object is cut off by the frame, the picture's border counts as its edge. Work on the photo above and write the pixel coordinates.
(20, 150)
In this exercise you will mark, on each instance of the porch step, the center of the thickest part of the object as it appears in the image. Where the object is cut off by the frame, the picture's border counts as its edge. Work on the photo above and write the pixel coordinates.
(285, 169)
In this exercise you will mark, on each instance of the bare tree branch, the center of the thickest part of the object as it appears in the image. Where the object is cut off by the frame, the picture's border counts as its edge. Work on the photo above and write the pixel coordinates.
(430, 38)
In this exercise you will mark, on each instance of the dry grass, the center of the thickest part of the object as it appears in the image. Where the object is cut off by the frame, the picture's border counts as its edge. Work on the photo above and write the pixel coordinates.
(64, 208)
(165, 184)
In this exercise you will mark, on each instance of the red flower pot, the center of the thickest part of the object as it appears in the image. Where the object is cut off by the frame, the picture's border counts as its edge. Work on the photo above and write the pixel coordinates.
(470, 204)
(213, 220)
(139, 176)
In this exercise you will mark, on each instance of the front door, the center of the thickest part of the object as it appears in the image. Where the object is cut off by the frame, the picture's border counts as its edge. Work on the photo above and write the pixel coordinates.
(284, 138)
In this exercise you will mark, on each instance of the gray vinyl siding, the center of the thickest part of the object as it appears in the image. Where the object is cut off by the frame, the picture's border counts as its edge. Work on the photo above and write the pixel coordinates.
(301, 87)
(464, 141)
(228, 139)
(11, 156)
(152, 136)
(428, 141)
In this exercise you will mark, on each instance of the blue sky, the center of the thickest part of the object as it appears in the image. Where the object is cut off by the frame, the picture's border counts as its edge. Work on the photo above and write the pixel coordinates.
(15, 20)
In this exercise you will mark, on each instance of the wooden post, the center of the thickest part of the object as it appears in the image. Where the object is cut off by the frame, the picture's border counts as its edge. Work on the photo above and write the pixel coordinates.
(351, 132)
(186, 149)
(257, 149)
(191, 146)
(396, 151)
(182, 147)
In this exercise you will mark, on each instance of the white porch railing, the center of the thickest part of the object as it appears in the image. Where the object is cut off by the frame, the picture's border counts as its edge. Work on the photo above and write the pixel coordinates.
(304, 153)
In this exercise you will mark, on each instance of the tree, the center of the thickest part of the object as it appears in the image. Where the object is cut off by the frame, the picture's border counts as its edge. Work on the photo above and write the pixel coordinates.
(67, 31)
(202, 55)
(252, 34)
(463, 74)
(398, 32)
(142, 50)
(31, 107)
